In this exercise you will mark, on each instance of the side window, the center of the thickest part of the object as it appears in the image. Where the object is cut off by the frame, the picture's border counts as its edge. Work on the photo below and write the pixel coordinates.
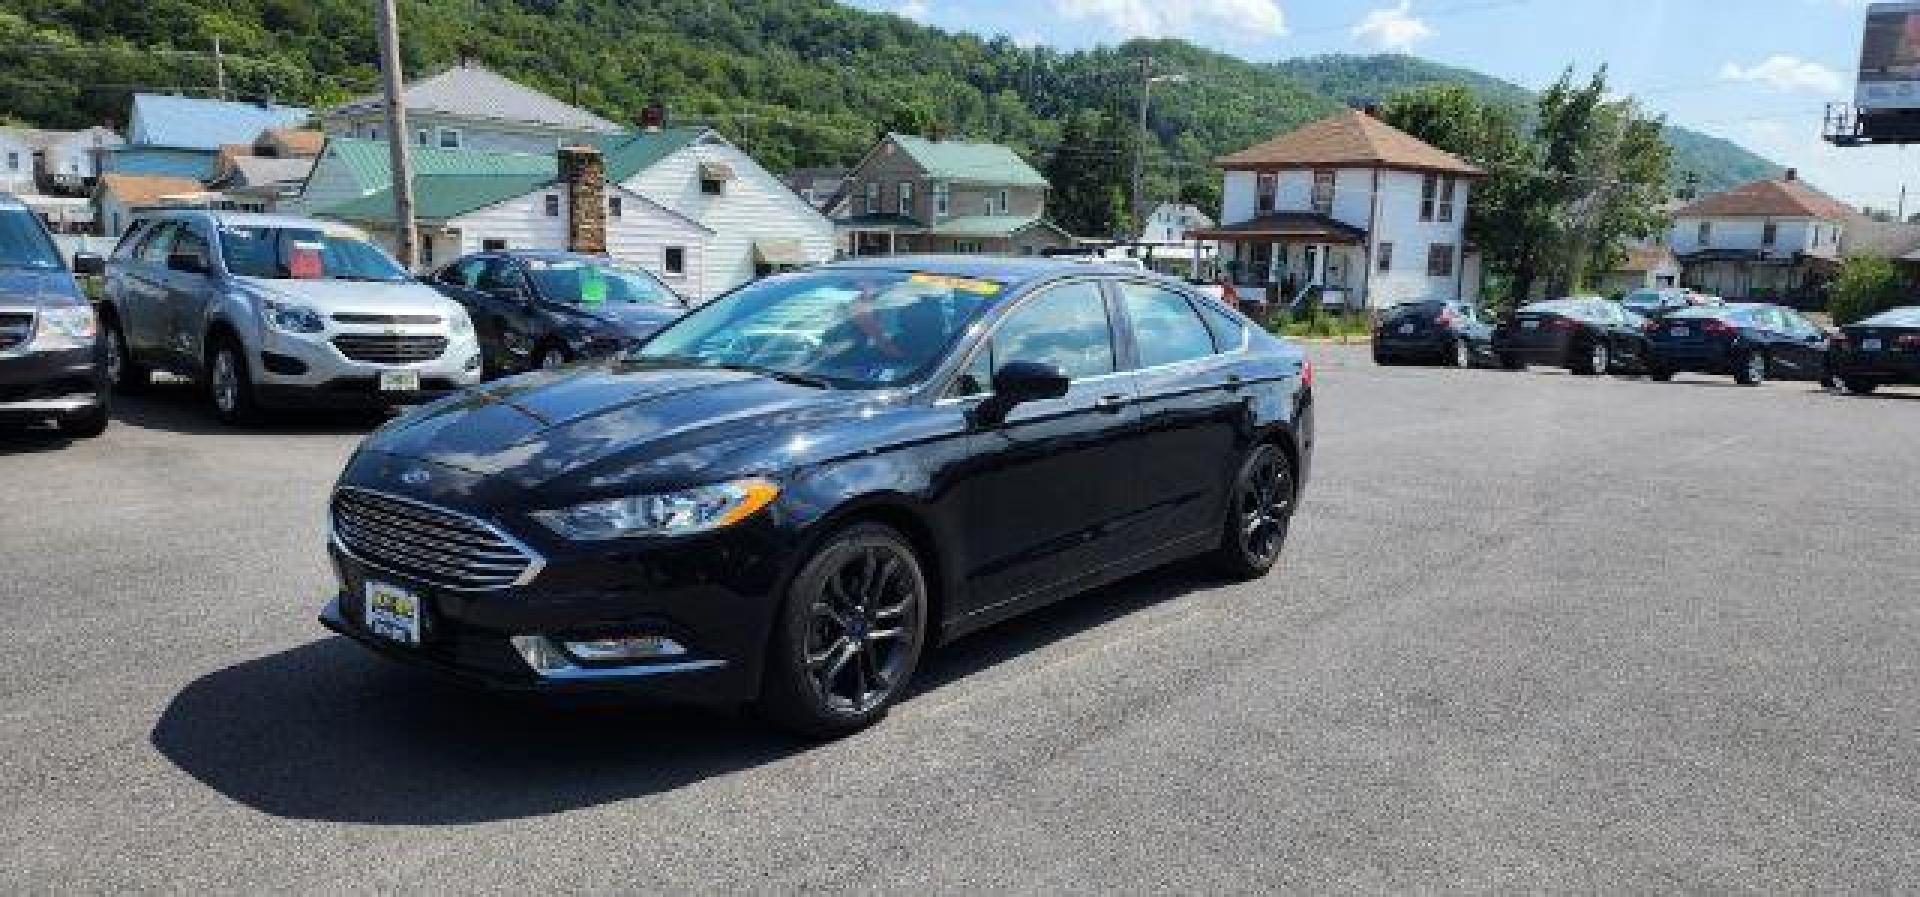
(1229, 334)
(499, 274)
(1165, 327)
(1066, 327)
(129, 245)
(159, 242)
(190, 242)
(977, 379)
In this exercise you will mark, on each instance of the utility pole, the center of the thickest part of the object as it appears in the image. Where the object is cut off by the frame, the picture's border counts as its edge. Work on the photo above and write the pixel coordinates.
(1901, 216)
(405, 238)
(1140, 148)
(219, 69)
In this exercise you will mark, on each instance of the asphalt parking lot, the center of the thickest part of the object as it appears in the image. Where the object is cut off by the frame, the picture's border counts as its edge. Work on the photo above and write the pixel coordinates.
(1533, 631)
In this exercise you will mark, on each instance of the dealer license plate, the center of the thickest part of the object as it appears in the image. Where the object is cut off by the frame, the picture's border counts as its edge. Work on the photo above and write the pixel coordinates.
(1871, 345)
(399, 381)
(393, 613)
(1679, 331)
(1406, 329)
(1530, 325)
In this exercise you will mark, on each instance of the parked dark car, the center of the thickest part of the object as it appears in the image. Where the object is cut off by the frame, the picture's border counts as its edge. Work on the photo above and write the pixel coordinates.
(1747, 341)
(538, 310)
(1883, 350)
(1435, 331)
(53, 364)
(1585, 336)
(788, 495)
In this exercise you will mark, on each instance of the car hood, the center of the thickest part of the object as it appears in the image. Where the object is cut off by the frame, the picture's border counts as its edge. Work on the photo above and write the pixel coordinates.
(632, 319)
(603, 427)
(330, 296)
(37, 289)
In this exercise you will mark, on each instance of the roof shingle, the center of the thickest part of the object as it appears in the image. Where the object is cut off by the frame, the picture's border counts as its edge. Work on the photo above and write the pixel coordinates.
(470, 90)
(984, 163)
(1351, 139)
(1787, 198)
(141, 189)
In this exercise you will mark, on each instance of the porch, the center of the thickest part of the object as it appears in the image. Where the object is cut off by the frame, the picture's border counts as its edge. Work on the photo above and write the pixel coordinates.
(1278, 257)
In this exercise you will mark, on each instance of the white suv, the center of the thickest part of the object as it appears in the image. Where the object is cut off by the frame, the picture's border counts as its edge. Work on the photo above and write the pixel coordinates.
(277, 310)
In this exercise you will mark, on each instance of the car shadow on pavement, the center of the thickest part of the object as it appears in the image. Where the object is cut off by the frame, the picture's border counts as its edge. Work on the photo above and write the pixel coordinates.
(31, 440)
(180, 407)
(327, 731)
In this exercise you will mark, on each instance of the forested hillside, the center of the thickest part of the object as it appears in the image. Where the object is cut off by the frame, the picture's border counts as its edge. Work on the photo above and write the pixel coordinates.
(797, 81)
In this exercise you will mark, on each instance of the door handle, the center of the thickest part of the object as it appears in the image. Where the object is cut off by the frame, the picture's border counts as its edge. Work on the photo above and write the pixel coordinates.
(1110, 404)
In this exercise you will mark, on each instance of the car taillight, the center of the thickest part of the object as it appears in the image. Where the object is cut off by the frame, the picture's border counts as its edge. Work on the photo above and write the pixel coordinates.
(1306, 373)
(1838, 339)
(1715, 325)
(1908, 341)
(1445, 319)
(1562, 324)
(1650, 326)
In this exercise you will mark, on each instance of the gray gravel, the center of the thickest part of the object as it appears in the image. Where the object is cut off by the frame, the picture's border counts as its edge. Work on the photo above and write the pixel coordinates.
(1533, 632)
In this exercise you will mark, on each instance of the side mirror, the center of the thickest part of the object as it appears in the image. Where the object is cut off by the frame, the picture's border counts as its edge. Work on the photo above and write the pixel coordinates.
(88, 263)
(1017, 383)
(187, 262)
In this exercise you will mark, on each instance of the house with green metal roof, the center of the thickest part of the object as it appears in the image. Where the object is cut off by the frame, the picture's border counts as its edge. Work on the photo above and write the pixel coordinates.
(916, 194)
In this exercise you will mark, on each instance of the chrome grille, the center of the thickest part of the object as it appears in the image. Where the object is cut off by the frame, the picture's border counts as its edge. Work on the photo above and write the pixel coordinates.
(376, 348)
(16, 329)
(347, 317)
(429, 544)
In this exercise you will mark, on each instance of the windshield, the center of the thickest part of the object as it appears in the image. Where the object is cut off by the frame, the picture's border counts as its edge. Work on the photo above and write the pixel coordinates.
(1899, 317)
(295, 253)
(850, 329)
(1644, 297)
(24, 243)
(584, 282)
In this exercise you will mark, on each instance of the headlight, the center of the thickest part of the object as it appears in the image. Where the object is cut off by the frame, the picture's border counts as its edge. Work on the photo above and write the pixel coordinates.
(67, 327)
(290, 318)
(696, 510)
(459, 323)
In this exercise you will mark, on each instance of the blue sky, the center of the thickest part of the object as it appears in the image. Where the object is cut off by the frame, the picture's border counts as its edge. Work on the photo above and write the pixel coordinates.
(1758, 72)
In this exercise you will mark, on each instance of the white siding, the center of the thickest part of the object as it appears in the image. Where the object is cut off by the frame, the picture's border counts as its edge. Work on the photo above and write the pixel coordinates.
(18, 177)
(641, 235)
(756, 207)
(1399, 223)
(522, 222)
(475, 134)
(1794, 235)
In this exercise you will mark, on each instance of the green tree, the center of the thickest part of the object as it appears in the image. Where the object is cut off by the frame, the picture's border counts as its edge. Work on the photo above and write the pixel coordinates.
(1864, 287)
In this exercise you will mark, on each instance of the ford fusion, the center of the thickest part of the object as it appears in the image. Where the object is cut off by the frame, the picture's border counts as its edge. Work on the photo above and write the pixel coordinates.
(787, 497)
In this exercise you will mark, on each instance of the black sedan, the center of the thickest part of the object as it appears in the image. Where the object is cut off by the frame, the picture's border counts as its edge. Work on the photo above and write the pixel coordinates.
(1880, 351)
(1442, 331)
(1747, 341)
(786, 497)
(1585, 336)
(535, 310)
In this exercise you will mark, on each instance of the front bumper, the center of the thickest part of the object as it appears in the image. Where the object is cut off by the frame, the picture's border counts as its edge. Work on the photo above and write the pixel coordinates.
(39, 386)
(1694, 359)
(1439, 344)
(1901, 368)
(311, 371)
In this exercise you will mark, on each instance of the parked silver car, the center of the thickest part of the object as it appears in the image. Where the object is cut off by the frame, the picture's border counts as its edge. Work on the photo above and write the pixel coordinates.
(273, 310)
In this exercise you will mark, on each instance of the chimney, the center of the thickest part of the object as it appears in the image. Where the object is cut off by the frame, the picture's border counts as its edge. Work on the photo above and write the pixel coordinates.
(584, 171)
(1793, 174)
(653, 117)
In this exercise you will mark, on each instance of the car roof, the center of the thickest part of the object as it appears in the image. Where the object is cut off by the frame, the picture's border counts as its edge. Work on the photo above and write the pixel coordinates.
(1017, 271)
(254, 219)
(12, 203)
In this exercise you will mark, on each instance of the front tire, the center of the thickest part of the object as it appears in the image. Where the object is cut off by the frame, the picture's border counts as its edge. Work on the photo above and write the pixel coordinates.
(230, 384)
(1259, 514)
(1751, 369)
(1859, 386)
(1462, 354)
(84, 424)
(125, 377)
(849, 635)
(1594, 360)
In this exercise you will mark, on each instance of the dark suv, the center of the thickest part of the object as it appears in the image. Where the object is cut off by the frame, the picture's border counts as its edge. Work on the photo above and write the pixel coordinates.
(1442, 331)
(52, 363)
(537, 310)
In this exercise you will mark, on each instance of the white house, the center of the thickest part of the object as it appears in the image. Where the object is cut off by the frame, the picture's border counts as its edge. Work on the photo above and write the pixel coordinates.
(1777, 239)
(472, 107)
(34, 160)
(1171, 222)
(1351, 204)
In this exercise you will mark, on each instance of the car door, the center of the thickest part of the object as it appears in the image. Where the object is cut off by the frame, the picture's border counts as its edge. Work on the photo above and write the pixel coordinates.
(145, 290)
(507, 303)
(188, 294)
(1041, 500)
(1191, 408)
(460, 281)
(1627, 341)
(1804, 342)
(1478, 330)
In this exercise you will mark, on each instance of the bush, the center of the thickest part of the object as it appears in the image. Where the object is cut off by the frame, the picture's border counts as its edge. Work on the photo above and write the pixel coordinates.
(1864, 288)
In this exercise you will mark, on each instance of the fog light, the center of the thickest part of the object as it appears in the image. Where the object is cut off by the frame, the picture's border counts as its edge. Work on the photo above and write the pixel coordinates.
(540, 653)
(649, 647)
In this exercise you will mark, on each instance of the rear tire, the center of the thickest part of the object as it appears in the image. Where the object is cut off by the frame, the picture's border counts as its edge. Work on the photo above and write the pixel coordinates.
(1510, 363)
(230, 384)
(1859, 386)
(1259, 514)
(1751, 369)
(123, 374)
(1382, 359)
(1659, 375)
(1462, 354)
(849, 635)
(85, 424)
(1593, 360)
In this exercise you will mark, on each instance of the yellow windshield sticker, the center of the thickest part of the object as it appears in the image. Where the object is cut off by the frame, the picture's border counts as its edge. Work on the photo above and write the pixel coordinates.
(961, 284)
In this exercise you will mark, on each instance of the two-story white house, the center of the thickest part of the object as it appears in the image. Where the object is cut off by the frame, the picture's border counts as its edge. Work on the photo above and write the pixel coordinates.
(469, 106)
(1776, 239)
(1352, 204)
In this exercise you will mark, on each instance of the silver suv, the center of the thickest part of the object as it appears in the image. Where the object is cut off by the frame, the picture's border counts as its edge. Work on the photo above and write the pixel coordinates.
(277, 310)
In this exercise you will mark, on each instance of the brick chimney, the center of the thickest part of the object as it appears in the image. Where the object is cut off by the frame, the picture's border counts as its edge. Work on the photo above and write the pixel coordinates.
(584, 171)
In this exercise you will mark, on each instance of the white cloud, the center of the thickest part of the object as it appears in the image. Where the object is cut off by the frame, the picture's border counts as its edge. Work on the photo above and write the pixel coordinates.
(917, 10)
(1167, 18)
(1394, 28)
(1786, 73)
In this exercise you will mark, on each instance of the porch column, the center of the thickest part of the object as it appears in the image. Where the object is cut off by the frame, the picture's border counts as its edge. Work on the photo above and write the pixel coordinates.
(893, 243)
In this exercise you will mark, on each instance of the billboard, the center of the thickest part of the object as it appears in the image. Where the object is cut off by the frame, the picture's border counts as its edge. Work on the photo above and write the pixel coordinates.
(1890, 58)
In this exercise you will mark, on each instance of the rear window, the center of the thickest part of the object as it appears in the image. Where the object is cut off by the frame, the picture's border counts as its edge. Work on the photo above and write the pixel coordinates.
(1414, 310)
(1714, 311)
(1899, 317)
(1555, 307)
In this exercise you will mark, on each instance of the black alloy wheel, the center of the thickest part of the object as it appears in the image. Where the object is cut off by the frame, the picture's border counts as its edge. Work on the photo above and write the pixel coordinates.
(123, 376)
(85, 424)
(1259, 514)
(1462, 354)
(850, 635)
(1859, 386)
(1593, 359)
(1751, 368)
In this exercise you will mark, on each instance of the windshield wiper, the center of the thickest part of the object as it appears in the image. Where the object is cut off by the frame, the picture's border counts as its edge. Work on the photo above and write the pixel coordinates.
(793, 377)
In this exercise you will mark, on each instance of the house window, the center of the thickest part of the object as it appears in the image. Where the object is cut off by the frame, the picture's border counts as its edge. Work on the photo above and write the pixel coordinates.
(613, 207)
(13, 161)
(1323, 181)
(449, 138)
(1770, 232)
(493, 244)
(423, 137)
(426, 249)
(906, 199)
(1386, 257)
(1446, 198)
(553, 205)
(1440, 260)
(1429, 196)
(1004, 204)
(1266, 188)
(942, 199)
(873, 197)
(1705, 234)
(676, 258)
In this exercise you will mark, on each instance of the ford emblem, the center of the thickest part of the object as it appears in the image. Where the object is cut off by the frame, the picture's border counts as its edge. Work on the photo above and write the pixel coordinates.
(415, 477)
